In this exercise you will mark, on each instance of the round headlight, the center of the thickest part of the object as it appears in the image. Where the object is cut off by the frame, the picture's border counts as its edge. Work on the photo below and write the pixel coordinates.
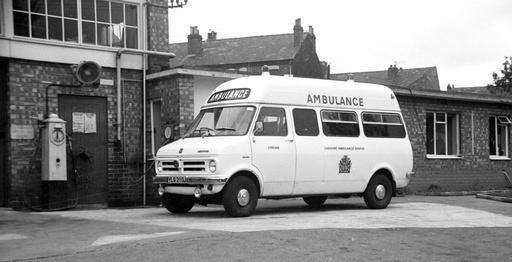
(159, 167)
(213, 166)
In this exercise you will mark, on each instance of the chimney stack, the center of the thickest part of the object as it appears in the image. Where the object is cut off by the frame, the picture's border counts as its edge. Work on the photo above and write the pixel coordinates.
(195, 42)
(392, 72)
(298, 33)
(212, 35)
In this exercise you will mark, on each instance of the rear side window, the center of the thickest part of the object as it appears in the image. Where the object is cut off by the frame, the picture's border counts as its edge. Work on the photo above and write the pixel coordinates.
(383, 125)
(306, 123)
(340, 123)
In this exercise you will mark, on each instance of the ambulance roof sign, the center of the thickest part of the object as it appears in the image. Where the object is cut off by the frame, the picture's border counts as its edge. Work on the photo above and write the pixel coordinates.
(230, 94)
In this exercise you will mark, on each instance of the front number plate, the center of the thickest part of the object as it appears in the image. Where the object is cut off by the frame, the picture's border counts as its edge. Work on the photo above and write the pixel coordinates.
(176, 180)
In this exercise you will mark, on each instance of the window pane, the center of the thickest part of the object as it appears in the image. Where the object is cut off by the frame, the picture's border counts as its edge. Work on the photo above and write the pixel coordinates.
(350, 117)
(492, 136)
(21, 24)
(430, 133)
(37, 6)
(87, 9)
(102, 11)
(306, 123)
(55, 28)
(440, 139)
(117, 13)
(391, 119)
(274, 122)
(372, 118)
(70, 8)
(440, 117)
(38, 26)
(329, 115)
(103, 34)
(131, 15)
(20, 5)
(54, 7)
(88, 33)
(70, 30)
(340, 129)
(452, 134)
(117, 35)
(502, 140)
(132, 38)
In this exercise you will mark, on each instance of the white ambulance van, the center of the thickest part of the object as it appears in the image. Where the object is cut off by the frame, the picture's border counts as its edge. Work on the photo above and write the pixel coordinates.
(277, 137)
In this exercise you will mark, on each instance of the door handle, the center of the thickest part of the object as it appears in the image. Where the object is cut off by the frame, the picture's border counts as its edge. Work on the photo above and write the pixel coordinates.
(288, 140)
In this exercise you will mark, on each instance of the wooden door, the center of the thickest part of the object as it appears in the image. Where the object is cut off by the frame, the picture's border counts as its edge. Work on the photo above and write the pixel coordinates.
(86, 127)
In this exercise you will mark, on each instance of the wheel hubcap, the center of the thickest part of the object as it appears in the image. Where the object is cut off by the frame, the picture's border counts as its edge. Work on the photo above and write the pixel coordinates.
(243, 197)
(380, 192)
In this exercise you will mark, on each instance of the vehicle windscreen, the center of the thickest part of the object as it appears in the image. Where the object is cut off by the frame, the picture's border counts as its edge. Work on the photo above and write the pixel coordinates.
(222, 121)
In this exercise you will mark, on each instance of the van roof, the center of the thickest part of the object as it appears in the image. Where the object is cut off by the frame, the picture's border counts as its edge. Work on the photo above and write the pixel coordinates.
(304, 92)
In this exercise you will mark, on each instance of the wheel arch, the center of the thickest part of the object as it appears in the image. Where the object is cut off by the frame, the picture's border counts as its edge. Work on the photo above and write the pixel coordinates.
(387, 173)
(250, 175)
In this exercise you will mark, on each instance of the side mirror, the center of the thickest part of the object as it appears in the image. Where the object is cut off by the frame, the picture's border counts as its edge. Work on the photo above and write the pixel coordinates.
(258, 128)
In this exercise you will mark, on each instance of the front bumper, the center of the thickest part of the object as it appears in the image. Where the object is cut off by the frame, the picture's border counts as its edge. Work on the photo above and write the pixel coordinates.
(189, 180)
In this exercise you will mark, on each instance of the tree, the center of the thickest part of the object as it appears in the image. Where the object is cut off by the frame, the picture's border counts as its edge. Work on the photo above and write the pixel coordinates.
(503, 83)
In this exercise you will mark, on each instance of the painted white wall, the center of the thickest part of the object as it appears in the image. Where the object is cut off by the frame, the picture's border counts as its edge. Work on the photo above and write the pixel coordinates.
(203, 87)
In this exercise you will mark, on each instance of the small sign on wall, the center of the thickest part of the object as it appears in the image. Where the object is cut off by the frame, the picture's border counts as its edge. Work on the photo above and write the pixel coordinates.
(22, 132)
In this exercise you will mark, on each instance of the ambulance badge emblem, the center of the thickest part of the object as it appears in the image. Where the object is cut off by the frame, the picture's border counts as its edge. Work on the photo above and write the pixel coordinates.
(345, 164)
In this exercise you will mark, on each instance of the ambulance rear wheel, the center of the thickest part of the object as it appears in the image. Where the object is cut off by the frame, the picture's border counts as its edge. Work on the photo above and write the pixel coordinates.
(378, 192)
(240, 197)
(315, 201)
(177, 204)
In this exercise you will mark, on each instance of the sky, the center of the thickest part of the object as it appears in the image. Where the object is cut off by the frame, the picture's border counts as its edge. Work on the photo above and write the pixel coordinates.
(467, 40)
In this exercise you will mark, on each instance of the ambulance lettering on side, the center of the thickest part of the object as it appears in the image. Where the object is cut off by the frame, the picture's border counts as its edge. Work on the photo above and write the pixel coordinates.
(277, 137)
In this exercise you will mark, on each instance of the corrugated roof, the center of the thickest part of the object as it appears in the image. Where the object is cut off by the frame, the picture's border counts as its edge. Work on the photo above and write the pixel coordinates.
(416, 78)
(236, 51)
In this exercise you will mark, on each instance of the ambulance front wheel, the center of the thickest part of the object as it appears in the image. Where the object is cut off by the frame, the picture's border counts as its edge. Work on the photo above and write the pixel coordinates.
(378, 192)
(240, 197)
(315, 201)
(177, 204)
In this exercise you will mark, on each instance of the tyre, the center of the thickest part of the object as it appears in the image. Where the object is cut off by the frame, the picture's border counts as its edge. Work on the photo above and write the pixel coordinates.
(378, 192)
(315, 201)
(177, 204)
(240, 197)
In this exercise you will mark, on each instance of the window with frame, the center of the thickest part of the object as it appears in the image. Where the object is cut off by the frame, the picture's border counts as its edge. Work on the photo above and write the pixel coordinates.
(340, 123)
(383, 125)
(273, 120)
(498, 136)
(305, 122)
(443, 134)
(102, 22)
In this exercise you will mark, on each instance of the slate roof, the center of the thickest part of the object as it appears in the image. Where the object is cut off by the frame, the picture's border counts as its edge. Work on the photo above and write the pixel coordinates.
(473, 90)
(236, 51)
(415, 78)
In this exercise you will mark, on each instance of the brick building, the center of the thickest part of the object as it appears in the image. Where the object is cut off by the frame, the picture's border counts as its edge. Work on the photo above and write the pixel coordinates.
(40, 42)
(460, 137)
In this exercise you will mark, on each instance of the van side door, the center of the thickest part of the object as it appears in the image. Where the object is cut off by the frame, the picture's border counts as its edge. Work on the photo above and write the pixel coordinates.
(273, 150)
(309, 174)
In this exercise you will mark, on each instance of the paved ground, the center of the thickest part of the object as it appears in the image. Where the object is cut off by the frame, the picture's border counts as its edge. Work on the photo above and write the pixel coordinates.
(411, 228)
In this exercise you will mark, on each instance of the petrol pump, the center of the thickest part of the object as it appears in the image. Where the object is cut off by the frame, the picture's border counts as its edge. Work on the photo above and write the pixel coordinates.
(54, 170)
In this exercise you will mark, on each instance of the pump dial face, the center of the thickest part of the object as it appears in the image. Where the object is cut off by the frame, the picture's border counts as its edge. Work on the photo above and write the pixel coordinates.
(58, 136)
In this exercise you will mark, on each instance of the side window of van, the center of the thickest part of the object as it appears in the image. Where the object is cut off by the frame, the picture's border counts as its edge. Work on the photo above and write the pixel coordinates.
(340, 123)
(383, 125)
(271, 122)
(306, 123)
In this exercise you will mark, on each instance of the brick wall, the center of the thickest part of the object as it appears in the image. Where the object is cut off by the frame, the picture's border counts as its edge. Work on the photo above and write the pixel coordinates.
(177, 94)
(27, 103)
(474, 171)
(158, 35)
